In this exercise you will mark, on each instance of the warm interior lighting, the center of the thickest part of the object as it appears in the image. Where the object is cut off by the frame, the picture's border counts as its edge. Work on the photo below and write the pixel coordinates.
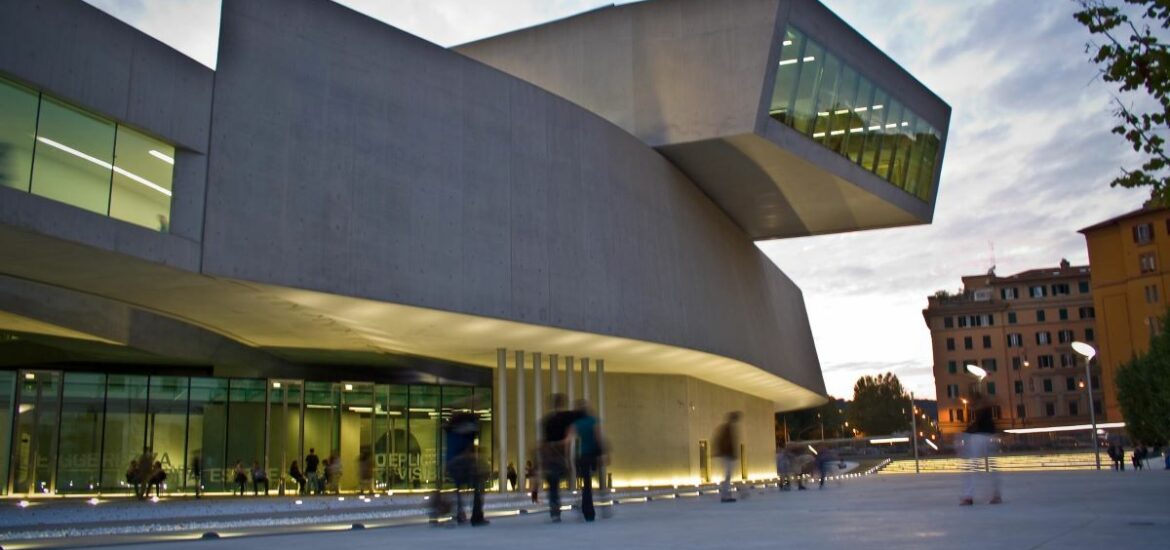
(30, 376)
(162, 156)
(104, 164)
(356, 409)
(276, 385)
(349, 387)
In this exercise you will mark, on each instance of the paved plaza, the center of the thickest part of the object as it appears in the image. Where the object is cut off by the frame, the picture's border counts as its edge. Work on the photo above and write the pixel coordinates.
(1063, 510)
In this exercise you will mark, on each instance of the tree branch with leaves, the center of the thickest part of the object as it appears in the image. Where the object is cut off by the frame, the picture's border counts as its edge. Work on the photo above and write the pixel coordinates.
(1134, 58)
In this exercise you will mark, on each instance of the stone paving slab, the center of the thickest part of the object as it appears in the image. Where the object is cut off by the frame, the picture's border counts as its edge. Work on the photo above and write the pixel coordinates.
(1058, 510)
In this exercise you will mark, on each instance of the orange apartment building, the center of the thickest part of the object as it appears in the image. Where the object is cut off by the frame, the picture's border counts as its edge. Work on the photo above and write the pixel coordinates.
(1128, 254)
(1019, 329)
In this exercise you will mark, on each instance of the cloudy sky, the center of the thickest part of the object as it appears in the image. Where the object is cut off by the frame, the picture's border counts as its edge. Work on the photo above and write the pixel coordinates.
(1028, 159)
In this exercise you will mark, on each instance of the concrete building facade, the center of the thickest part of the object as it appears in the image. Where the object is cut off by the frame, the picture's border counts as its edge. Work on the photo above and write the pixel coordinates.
(1129, 289)
(1019, 329)
(344, 233)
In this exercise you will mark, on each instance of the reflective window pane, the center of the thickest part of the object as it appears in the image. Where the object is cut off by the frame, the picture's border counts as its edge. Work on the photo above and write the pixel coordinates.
(825, 96)
(424, 428)
(168, 427)
(843, 116)
(79, 458)
(35, 440)
(487, 436)
(821, 96)
(322, 422)
(125, 432)
(787, 74)
(855, 140)
(74, 157)
(7, 399)
(206, 439)
(245, 430)
(18, 128)
(890, 136)
(393, 444)
(141, 192)
(356, 450)
(803, 113)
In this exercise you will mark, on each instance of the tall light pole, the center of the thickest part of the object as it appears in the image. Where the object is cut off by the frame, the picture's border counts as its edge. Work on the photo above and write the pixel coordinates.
(822, 421)
(1089, 352)
(914, 430)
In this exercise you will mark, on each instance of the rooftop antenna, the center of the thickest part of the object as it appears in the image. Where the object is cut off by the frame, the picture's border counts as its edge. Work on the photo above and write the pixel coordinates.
(991, 248)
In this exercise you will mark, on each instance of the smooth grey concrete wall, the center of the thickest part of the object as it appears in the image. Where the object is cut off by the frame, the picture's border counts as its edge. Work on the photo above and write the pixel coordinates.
(695, 78)
(171, 339)
(667, 71)
(352, 158)
(78, 53)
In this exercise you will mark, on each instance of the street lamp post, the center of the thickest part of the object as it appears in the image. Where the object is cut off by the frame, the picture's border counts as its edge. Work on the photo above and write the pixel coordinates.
(979, 373)
(1089, 352)
(914, 430)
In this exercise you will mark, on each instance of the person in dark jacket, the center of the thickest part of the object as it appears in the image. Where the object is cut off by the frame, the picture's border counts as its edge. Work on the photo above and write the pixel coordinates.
(312, 462)
(294, 471)
(727, 449)
(463, 465)
(978, 445)
(554, 450)
(590, 454)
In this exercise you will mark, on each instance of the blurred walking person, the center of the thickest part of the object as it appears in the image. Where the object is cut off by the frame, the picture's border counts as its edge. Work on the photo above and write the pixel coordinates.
(197, 473)
(463, 465)
(784, 468)
(727, 449)
(333, 473)
(978, 443)
(530, 478)
(554, 450)
(366, 472)
(590, 454)
(511, 477)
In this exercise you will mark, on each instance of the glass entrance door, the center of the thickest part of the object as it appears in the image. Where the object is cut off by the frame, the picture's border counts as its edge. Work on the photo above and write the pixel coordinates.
(34, 444)
(286, 432)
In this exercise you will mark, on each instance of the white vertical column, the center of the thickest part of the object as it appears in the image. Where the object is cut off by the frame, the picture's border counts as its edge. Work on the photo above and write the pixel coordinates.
(600, 369)
(569, 380)
(537, 399)
(500, 417)
(585, 378)
(553, 366)
(521, 425)
(537, 393)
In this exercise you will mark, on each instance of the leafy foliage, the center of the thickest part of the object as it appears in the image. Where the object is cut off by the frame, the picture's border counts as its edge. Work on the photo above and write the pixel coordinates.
(880, 405)
(1137, 63)
(1143, 391)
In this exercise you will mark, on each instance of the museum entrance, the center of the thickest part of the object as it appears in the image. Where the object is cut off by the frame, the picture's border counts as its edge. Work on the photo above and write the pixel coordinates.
(286, 432)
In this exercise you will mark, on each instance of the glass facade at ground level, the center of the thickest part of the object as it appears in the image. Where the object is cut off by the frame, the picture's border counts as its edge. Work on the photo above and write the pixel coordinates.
(62, 152)
(77, 432)
(820, 96)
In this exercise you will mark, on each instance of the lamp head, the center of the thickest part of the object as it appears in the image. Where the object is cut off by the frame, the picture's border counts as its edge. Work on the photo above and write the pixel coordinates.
(1084, 349)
